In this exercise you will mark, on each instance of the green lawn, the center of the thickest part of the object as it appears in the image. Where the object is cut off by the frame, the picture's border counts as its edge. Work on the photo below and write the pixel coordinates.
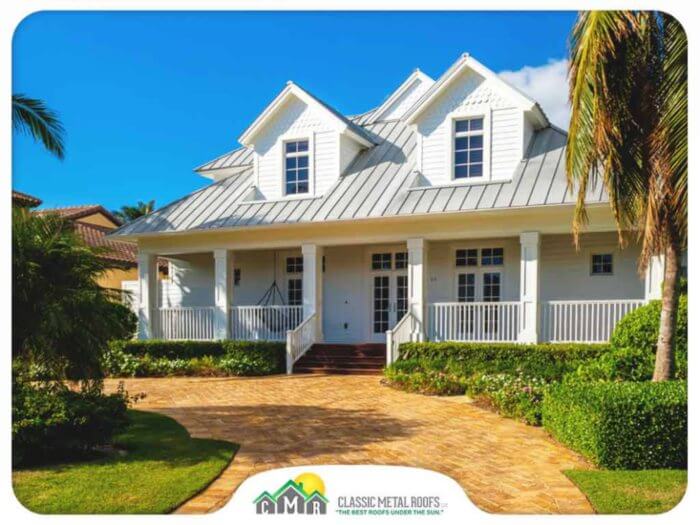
(631, 491)
(162, 468)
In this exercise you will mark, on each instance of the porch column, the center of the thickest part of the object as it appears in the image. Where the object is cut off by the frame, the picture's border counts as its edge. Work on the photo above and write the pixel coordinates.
(312, 285)
(417, 277)
(654, 277)
(529, 287)
(223, 289)
(148, 294)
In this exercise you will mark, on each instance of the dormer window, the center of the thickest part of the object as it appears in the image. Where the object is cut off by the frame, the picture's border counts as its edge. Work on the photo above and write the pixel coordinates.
(469, 148)
(296, 167)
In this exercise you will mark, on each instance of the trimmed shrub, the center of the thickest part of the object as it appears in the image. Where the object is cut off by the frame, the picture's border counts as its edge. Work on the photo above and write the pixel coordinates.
(170, 349)
(519, 397)
(189, 358)
(254, 358)
(621, 425)
(425, 378)
(53, 423)
(620, 364)
(640, 329)
(547, 361)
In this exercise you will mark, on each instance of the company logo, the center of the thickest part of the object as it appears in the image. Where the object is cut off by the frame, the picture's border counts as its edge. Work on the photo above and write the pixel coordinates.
(306, 494)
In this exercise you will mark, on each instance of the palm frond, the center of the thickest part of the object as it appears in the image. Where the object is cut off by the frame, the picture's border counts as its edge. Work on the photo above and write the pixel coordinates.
(33, 117)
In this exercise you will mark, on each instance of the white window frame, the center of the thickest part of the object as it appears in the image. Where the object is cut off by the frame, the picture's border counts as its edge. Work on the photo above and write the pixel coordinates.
(592, 253)
(474, 112)
(284, 140)
(479, 270)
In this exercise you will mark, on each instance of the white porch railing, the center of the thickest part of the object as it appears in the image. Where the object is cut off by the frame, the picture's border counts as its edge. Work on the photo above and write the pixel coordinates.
(584, 321)
(264, 323)
(401, 333)
(300, 340)
(475, 322)
(185, 323)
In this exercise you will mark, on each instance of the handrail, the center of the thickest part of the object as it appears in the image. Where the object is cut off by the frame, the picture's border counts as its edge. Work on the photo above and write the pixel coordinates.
(497, 321)
(264, 323)
(300, 340)
(401, 333)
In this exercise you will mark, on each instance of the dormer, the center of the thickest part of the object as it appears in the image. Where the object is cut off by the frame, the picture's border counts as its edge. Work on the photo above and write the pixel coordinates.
(404, 97)
(300, 145)
(471, 126)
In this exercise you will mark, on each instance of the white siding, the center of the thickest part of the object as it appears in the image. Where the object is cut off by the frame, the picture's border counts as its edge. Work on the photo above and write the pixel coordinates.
(345, 295)
(349, 149)
(566, 275)
(470, 93)
(295, 120)
(407, 99)
(191, 281)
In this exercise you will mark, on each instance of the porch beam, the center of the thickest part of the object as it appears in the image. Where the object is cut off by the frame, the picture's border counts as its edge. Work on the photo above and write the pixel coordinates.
(148, 294)
(312, 285)
(529, 287)
(223, 292)
(417, 289)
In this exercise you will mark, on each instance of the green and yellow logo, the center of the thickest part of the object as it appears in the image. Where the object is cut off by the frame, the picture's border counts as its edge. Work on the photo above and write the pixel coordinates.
(306, 494)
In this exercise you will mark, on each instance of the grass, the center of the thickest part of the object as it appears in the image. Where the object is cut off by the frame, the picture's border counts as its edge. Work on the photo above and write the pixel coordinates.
(162, 467)
(631, 491)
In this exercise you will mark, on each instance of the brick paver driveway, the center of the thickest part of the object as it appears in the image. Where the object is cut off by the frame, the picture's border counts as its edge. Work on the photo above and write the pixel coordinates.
(503, 465)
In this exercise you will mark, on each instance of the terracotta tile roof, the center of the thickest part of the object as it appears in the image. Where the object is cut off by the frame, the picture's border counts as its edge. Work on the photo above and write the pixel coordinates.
(118, 251)
(24, 199)
(78, 212)
(95, 236)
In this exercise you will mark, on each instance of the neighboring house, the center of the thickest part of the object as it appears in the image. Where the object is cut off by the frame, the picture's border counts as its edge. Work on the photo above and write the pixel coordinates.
(24, 200)
(441, 214)
(93, 223)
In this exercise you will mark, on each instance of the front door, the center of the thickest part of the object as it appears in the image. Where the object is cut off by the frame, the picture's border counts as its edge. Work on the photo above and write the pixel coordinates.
(389, 291)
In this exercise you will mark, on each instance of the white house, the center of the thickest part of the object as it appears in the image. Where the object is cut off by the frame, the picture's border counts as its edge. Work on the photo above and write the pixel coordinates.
(441, 214)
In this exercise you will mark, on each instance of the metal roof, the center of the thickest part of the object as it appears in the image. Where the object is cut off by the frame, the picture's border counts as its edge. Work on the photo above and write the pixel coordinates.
(381, 182)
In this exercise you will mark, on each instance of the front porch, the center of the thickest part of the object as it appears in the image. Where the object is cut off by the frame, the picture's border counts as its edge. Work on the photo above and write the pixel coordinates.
(529, 288)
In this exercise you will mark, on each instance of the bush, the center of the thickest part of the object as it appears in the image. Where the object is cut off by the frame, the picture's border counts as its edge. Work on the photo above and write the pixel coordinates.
(170, 349)
(620, 364)
(621, 425)
(254, 358)
(546, 361)
(154, 358)
(519, 397)
(424, 378)
(640, 329)
(53, 423)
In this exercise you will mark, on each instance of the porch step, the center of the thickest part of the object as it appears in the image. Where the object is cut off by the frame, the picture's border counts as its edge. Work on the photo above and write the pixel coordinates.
(342, 359)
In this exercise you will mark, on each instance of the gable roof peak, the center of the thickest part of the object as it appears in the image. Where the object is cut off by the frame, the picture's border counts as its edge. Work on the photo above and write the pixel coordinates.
(464, 62)
(295, 90)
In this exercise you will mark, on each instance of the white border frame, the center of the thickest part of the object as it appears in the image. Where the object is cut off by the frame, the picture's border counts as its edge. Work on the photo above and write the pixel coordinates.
(461, 114)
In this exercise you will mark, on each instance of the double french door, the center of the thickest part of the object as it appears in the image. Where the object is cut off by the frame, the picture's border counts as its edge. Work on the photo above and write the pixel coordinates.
(389, 292)
(478, 322)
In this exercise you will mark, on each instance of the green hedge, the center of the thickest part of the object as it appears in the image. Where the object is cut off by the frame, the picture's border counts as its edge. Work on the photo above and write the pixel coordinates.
(154, 358)
(51, 423)
(621, 425)
(547, 361)
(640, 329)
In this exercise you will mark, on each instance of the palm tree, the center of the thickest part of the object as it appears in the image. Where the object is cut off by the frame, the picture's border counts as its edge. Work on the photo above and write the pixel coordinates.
(31, 116)
(628, 92)
(130, 213)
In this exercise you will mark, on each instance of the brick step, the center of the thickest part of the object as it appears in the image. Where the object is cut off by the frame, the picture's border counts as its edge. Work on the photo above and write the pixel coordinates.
(338, 371)
(328, 357)
(314, 363)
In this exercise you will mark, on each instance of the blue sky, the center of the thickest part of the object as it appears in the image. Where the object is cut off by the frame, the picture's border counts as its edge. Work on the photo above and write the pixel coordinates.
(145, 97)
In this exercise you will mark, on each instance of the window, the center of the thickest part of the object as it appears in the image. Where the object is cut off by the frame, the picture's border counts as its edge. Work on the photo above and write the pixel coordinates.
(602, 264)
(492, 257)
(295, 264)
(492, 287)
(236, 276)
(381, 261)
(401, 260)
(466, 287)
(469, 148)
(468, 257)
(294, 292)
(296, 167)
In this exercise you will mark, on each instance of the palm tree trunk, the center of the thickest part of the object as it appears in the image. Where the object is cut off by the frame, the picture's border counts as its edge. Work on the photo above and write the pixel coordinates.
(665, 346)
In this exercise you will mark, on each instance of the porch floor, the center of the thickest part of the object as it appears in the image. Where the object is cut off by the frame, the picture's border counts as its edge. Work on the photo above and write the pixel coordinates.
(281, 421)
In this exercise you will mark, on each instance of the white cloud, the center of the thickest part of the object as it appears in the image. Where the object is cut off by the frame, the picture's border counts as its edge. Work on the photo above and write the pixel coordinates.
(548, 85)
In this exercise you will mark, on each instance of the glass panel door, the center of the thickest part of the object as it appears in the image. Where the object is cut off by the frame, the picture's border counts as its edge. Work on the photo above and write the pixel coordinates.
(381, 304)
(401, 297)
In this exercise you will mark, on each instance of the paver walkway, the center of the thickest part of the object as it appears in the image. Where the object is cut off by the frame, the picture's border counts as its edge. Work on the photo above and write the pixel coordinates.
(280, 421)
